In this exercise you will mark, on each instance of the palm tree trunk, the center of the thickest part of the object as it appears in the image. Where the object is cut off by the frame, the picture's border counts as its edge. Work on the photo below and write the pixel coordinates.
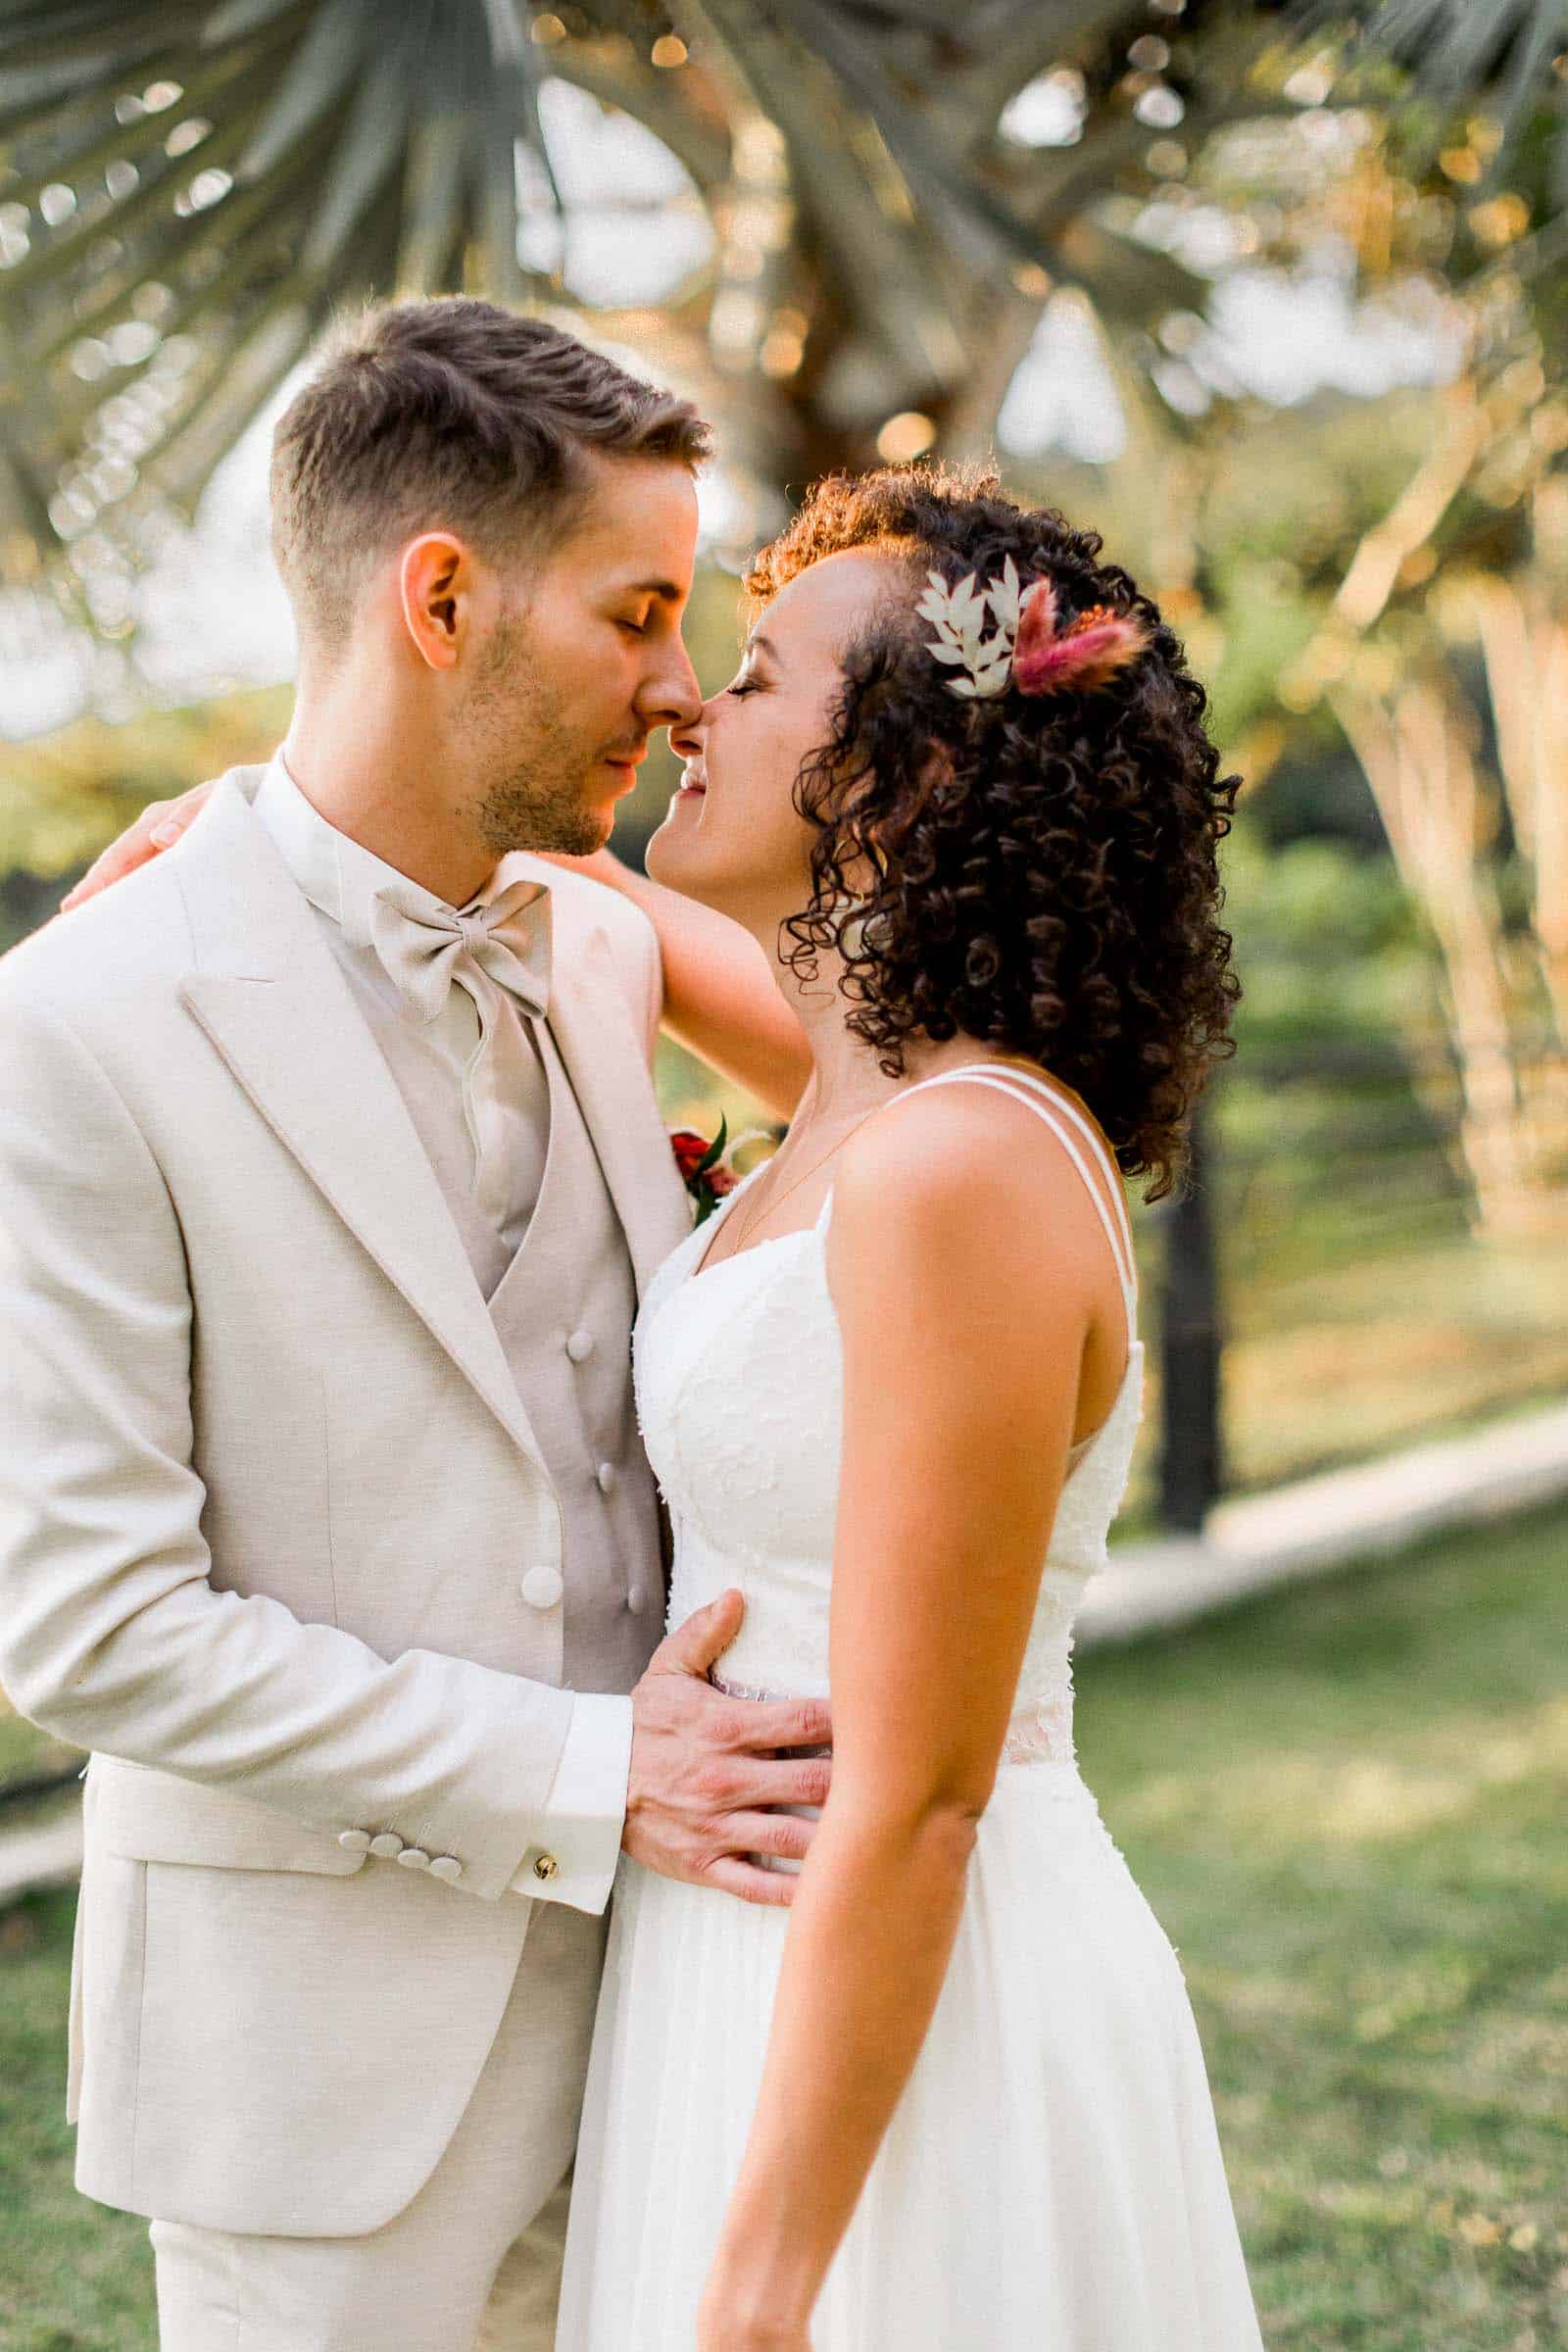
(1413, 750)
(1524, 646)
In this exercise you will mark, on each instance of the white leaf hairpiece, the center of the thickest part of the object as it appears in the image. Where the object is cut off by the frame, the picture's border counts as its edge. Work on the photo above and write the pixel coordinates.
(958, 616)
(1026, 647)
(1003, 594)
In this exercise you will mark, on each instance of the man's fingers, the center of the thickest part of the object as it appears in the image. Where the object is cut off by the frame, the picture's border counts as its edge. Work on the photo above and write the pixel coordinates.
(694, 1644)
(775, 1888)
(770, 1834)
(805, 1782)
(774, 1723)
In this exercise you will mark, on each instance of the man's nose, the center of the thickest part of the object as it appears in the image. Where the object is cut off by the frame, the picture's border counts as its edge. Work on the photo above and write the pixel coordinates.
(673, 699)
(685, 738)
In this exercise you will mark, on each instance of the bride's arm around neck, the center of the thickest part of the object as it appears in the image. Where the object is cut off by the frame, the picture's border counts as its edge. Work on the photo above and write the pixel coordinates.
(966, 1272)
(722, 1001)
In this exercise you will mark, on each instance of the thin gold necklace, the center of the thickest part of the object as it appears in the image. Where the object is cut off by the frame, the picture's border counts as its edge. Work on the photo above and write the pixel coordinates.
(745, 1231)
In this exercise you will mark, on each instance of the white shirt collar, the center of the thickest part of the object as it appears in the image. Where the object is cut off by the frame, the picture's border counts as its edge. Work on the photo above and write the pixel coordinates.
(337, 875)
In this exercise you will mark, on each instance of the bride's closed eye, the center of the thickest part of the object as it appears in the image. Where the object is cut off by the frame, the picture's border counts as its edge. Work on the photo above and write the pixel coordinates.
(741, 686)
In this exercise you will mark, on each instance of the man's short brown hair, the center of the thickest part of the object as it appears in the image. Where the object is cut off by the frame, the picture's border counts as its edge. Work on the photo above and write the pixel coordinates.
(449, 414)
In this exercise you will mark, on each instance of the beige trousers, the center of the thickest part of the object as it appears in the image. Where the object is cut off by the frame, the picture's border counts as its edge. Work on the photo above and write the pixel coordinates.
(473, 2263)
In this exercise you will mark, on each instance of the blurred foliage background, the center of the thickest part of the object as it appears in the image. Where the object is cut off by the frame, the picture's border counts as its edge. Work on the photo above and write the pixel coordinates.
(1272, 295)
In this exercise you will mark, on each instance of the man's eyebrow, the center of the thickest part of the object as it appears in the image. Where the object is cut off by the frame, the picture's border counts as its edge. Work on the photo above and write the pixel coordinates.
(671, 590)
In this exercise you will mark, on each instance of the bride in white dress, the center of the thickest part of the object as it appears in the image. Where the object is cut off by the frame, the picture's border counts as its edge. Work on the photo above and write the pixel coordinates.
(947, 2096)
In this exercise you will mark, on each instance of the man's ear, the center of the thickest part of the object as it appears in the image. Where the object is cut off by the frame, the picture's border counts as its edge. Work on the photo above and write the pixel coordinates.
(435, 579)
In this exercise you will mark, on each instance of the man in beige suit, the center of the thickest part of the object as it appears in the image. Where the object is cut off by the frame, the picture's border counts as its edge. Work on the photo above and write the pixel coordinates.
(332, 1172)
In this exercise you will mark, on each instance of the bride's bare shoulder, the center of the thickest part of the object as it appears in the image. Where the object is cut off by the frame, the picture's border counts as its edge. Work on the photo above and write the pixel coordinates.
(946, 1173)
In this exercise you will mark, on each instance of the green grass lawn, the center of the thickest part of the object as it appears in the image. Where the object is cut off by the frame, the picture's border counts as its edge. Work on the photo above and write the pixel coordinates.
(1346, 1806)
(74, 2276)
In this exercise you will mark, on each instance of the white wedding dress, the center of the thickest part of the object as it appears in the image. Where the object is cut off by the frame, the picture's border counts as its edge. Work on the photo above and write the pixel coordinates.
(1052, 2178)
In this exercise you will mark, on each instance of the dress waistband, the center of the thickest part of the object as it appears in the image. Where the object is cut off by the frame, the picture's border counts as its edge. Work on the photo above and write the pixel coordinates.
(1040, 1733)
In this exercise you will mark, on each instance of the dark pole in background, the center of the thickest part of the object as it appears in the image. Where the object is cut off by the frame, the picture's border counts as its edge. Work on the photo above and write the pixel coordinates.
(1191, 1458)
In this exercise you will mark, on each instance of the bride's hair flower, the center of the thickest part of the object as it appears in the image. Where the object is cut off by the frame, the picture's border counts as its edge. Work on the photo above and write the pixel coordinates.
(702, 1167)
(1025, 647)
(1081, 658)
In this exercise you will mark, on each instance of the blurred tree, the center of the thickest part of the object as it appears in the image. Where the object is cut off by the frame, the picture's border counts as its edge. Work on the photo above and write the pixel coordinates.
(884, 193)
(862, 214)
(1361, 571)
(1466, 757)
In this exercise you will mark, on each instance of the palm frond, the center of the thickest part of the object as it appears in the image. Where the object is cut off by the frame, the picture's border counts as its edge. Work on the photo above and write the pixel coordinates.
(188, 188)
(1460, 53)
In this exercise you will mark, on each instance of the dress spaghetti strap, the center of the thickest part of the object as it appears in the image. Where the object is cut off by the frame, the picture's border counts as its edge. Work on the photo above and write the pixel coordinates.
(1004, 1079)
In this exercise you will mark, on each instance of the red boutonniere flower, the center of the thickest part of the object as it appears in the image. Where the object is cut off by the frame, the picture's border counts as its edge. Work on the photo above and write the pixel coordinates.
(701, 1168)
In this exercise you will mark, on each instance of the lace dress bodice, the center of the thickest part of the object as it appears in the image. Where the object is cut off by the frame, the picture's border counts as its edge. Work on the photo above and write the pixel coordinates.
(739, 1375)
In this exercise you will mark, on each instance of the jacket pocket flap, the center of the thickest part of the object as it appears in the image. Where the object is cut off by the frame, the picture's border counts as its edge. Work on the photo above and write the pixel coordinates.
(153, 1816)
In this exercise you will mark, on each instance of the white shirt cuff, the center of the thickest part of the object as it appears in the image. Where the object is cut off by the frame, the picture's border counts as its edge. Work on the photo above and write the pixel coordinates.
(573, 1858)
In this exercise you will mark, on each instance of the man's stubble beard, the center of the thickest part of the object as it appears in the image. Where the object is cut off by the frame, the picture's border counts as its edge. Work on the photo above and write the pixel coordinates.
(529, 776)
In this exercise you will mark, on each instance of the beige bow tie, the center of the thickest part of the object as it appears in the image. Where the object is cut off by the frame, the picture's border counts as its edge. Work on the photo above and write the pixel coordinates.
(420, 944)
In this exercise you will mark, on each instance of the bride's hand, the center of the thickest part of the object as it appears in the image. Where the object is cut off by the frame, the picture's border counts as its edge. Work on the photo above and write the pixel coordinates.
(158, 828)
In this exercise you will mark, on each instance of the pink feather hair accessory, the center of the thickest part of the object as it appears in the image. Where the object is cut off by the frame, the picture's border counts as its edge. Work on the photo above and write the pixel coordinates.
(1081, 658)
(1024, 648)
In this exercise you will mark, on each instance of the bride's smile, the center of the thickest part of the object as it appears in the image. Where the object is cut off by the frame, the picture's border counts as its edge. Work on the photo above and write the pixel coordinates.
(733, 836)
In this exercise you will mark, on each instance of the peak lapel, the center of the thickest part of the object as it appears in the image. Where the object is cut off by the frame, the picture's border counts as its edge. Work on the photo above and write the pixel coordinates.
(592, 1026)
(274, 1003)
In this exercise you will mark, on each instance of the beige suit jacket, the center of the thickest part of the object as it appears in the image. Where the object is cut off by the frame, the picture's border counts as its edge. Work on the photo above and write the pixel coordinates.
(266, 1490)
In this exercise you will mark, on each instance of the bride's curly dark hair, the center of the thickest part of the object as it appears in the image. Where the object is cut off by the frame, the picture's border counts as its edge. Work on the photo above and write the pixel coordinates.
(1037, 872)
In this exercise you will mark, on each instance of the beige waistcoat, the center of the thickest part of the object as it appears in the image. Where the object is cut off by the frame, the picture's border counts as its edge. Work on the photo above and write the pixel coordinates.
(562, 1312)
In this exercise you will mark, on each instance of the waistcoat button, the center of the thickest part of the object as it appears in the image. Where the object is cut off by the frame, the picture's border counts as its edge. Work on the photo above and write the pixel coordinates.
(635, 1597)
(607, 1475)
(446, 1866)
(413, 1857)
(356, 1841)
(580, 1346)
(543, 1587)
(388, 1842)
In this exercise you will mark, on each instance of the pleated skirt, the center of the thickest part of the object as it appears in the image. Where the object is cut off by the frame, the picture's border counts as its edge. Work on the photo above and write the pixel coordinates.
(1051, 2181)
